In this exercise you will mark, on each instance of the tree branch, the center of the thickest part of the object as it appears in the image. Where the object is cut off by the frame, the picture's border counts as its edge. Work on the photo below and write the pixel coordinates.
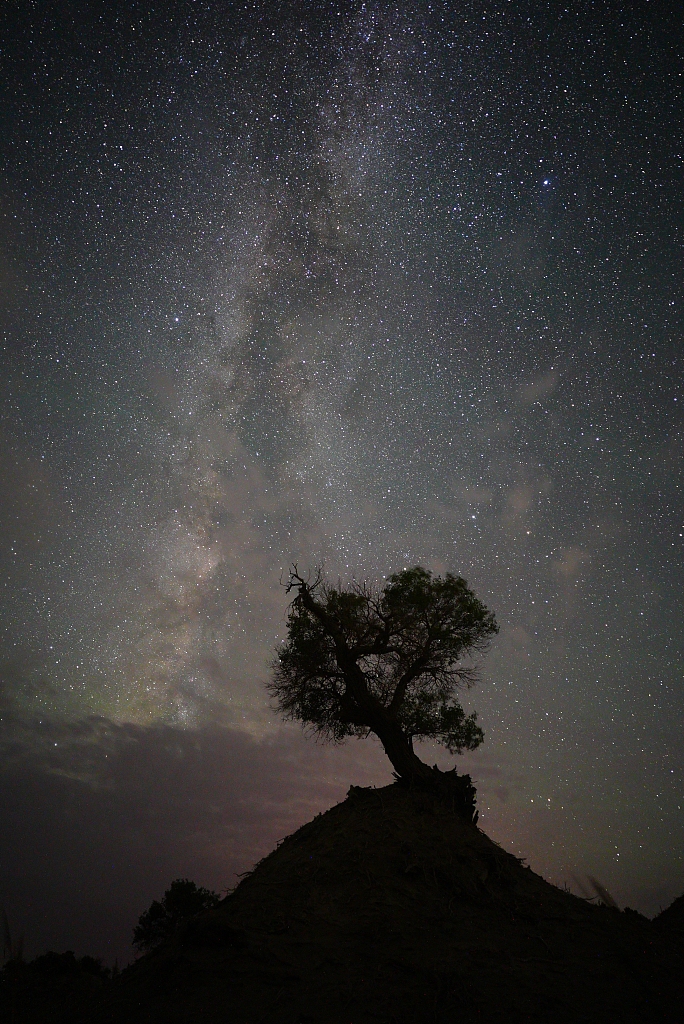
(410, 674)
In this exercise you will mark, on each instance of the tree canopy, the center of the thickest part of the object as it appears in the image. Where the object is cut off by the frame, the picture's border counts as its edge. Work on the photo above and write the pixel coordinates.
(182, 900)
(389, 661)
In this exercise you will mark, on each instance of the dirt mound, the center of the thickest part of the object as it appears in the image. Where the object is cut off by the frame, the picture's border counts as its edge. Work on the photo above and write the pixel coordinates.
(390, 908)
(671, 920)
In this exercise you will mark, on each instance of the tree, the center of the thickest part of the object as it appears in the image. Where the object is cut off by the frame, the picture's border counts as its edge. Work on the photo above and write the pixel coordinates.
(389, 661)
(182, 900)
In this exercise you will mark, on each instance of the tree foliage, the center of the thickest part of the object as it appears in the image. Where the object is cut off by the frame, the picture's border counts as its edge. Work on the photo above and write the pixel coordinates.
(388, 660)
(182, 900)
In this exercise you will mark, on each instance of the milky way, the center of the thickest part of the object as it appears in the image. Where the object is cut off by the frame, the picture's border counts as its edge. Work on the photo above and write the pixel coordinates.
(365, 287)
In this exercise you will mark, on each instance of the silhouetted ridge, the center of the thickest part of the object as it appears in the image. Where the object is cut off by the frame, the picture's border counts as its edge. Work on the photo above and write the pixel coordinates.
(391, 907)
(671, 920)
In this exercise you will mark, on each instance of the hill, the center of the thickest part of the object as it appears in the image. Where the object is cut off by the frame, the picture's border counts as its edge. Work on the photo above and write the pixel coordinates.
(390, 908)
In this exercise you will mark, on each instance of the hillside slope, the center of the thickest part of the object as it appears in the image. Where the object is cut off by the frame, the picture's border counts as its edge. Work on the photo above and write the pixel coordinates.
(389, 908)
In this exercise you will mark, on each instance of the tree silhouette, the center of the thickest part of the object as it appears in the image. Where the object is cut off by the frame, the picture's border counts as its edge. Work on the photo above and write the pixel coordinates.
(183, 899)
(387, 661)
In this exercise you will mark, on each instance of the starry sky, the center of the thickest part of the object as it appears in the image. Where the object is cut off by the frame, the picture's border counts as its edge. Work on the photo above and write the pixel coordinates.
(364, 285)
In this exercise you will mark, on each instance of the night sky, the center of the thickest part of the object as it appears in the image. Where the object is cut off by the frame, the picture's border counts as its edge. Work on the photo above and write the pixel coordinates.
(367, 285)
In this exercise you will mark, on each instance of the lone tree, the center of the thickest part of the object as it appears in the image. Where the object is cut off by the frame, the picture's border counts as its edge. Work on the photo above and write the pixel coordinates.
(390, 661)
(182, 900)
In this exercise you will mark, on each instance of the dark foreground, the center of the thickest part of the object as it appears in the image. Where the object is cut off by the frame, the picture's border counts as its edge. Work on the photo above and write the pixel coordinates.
(390, 909)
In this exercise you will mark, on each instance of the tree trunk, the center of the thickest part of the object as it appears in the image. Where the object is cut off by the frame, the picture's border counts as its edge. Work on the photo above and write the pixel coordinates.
(405, 762)
(458, 790)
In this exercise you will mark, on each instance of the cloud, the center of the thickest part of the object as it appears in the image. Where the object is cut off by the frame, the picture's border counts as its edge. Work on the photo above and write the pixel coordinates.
(523, 499)
(570, 567)
(99, 818)
(539, 387)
